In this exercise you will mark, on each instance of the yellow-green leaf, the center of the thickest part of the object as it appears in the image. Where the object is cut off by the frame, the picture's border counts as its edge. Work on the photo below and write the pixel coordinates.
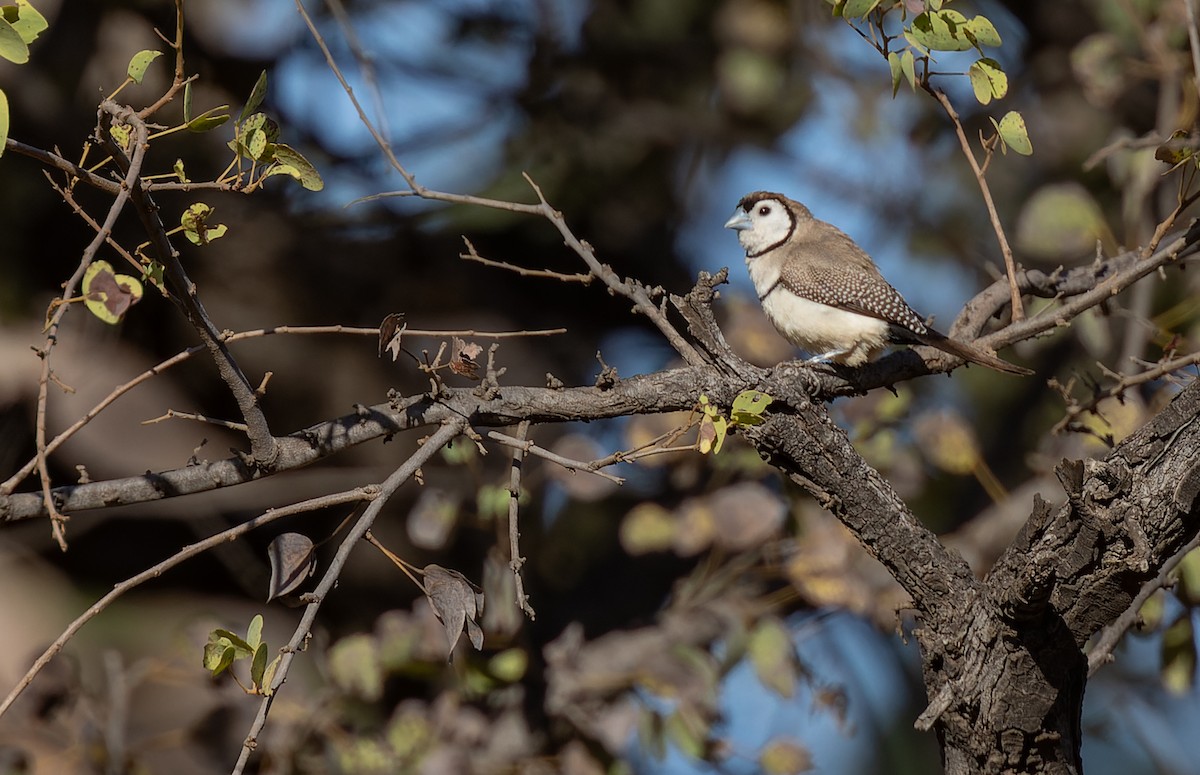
(1179, 656)
(195, 225)
(3, 121)
(748, 407)
(108, 295)
(856, 9)
(254, 631)
(256, 144)
(983, 32)
(988, 80)
(1012, 131)
(26, 20)
(12, 46)
(773, 656)
(909, 68)
(141, 60)
(941, 31)
(783, 756)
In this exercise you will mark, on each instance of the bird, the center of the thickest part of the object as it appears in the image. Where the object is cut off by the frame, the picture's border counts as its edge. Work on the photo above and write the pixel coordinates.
(823, 293)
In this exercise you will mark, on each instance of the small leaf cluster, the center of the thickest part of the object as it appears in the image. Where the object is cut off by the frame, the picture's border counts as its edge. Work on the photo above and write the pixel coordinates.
(747, 409)
(20, 25)
(224, 648)
(935, 29)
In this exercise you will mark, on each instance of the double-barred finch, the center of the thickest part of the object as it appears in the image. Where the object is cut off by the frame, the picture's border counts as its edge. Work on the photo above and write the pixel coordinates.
(825, 294)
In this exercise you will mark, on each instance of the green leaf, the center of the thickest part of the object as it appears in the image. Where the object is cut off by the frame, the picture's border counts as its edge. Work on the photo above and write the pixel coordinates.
(179, 172)
(256, 97)
(12, 46)
(856, 9)
(26, 20)
(305, 172)
(3, 121)
(187, 102)
(206, 120)
(240, 646)
(894, 66)
(988, 80)
(258, 667)
(1012, 132)
(983, 32)
(141, 60)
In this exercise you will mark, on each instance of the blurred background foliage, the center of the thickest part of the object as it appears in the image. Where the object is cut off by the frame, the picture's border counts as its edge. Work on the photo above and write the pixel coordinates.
(643, 121)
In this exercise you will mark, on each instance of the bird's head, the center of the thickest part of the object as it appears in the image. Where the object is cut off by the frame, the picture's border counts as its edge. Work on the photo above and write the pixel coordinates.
(764, 220)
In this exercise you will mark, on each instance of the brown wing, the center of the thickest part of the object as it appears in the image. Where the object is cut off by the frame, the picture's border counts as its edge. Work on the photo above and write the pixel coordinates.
(842, 276)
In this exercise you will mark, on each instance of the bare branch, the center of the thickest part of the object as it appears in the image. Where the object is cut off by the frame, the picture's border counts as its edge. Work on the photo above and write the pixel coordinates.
(188, 552)
(516, 561)
(441, 438)
(1018, 310)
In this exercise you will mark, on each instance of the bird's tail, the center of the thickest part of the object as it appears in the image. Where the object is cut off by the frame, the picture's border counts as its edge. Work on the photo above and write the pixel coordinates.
(970, 353)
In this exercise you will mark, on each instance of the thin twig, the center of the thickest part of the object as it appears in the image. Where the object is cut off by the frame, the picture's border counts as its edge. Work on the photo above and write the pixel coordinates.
(473, 255)
(1018, 310)
(225, 536)
(179, 81)
(300, 636)
(1101, 651)
(1124, 382)
(524, 446)
(173, 414)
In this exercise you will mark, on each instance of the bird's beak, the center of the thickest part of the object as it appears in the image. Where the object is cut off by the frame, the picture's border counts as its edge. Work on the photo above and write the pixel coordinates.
(739, 221)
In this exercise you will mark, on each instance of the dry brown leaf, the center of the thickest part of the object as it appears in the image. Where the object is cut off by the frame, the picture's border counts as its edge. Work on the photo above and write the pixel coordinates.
(456, 602)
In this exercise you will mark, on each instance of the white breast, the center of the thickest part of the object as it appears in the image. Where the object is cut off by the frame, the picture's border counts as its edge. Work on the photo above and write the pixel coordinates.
(827, 332)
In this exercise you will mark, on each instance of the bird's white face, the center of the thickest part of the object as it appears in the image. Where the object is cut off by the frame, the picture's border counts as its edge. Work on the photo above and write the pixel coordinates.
(766, 224)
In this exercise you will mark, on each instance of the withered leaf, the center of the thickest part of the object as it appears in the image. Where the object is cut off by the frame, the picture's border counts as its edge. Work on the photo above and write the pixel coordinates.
(390, 331)
(292, 561)
(457, 602)
(463, 358)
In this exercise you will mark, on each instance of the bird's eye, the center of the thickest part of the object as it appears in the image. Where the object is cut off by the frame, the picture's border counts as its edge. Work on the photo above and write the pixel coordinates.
(764, 210)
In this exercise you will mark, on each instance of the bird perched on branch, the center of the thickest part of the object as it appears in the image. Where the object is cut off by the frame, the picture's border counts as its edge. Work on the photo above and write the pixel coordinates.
(825, 294)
